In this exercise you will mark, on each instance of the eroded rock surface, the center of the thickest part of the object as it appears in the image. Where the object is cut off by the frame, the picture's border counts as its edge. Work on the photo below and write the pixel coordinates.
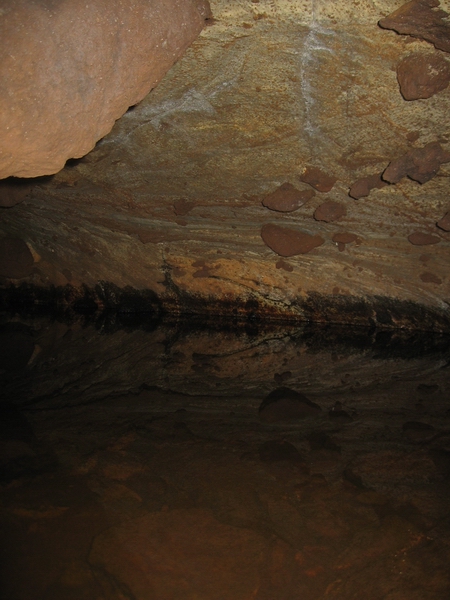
(70, 69)
(330, 211)
(421, 19)
(362, 187)
(318, 179)
(422, 75)
(420, 164)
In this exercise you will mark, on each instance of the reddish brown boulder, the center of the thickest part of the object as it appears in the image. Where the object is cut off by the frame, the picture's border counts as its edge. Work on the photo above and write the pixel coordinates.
(341, 239)
(419, 238)
(287, 198)
(421, 19)
(422, 75)
(420, 164)
(288, 242)
(70, 69)
(362, 187)
(330, 211)
(318, 179)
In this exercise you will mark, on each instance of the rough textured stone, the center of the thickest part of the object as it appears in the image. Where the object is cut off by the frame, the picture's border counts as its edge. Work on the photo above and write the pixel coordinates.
(421, 19)
(362, 187)
(422, 75)
(341, 239)
(287, 198)
(288, 242)
(180, 177)
(418, 238)
(330, 211)
(318, 179)
(16, 259)
(70, 69)
(420, 164)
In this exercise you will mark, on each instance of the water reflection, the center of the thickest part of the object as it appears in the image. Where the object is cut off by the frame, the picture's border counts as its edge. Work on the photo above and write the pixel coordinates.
(186, 461)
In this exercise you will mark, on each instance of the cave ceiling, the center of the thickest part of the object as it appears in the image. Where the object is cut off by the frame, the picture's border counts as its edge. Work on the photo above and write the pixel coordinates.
(231, 179)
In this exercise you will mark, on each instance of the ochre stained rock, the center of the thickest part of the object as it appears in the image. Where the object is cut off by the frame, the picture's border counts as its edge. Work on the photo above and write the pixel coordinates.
(341, 239)
(419, 238)
(16, 259)
(422, 75)
(318, 179)
(287, 198)
(70, 69)
(362, 187)
(288, 242)
(421, 19)
(330, 211)
(420, 164)
(444, 223)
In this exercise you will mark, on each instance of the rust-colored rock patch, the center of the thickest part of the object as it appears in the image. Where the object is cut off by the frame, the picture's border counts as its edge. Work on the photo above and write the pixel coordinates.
(422, 75)
(421, 19)
(318, 179)
(362, 187)
(418, 238)
(287, 198)
(330, 211)
(341, 239)
(288, 242)
(420, 164)
(428, 277)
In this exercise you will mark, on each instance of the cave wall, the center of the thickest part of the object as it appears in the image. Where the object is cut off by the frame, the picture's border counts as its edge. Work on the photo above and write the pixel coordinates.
(276, 106)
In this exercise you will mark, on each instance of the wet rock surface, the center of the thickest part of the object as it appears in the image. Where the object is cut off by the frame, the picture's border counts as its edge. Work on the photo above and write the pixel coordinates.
(422, 75)
(421, 19)
(76, 79)
(131, 474)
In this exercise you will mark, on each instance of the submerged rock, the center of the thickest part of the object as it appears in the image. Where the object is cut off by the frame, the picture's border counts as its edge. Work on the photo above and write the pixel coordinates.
(284, 404)
(330, 211)
(318, 179)
(362, 187)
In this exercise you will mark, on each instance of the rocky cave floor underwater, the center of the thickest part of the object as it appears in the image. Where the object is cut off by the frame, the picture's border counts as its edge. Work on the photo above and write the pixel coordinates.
(179, 461)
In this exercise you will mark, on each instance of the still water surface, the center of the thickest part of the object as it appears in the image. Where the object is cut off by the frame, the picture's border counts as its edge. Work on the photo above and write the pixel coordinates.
(192, 462)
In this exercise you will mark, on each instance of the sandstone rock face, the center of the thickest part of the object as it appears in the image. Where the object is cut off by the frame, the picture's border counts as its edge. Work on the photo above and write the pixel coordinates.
(170, 201)
(70, 69)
